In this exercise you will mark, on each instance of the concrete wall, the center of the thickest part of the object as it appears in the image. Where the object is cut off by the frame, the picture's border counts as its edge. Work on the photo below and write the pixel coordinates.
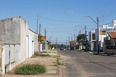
(31, 43)
(2, 60)
(24, 31)
(10, 31)
(17, 43)
(35, 43)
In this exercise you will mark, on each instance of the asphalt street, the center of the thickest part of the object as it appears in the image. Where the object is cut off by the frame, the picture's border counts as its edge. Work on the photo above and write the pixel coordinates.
(85, 64)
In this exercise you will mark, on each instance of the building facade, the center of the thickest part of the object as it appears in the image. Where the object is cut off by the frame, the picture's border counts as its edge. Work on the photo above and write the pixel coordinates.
(16, 41)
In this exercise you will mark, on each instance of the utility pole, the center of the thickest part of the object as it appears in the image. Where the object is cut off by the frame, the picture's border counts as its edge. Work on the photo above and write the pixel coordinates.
(80, 32)
(37, 23)
(66, 44)
(97, 41)
(74, 42)
(69, 43)
(98, 33)
(56, 43)
(85, 39)
(39, 36)
(45, 33)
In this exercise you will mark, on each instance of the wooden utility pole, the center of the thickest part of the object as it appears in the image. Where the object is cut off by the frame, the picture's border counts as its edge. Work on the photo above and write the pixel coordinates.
(39, 36)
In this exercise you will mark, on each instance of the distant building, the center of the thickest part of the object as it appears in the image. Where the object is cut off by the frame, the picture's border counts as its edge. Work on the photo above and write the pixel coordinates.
(73, 44)
(44, 44)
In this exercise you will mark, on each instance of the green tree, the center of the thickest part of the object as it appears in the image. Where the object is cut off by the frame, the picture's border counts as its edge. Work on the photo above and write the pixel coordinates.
(81, 38)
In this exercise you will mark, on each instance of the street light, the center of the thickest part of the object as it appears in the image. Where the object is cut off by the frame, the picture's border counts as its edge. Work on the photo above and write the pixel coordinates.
(97, 29)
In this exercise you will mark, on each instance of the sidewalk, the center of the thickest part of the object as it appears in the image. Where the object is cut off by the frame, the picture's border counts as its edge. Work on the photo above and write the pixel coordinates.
(48, 62)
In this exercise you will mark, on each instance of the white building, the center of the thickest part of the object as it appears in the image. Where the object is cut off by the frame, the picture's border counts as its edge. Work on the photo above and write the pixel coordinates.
(102, 34)
(17, 43)
(92, 40)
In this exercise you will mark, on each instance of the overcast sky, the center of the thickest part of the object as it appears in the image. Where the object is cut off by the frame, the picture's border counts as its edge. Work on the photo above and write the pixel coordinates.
(59, 17)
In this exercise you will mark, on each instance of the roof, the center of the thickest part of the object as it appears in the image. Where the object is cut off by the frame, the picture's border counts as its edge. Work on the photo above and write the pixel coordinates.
(43, 38)
(112, 34)
(74, 41)
(34, 32)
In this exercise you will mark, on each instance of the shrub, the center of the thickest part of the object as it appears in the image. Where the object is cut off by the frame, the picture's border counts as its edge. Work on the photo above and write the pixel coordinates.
(30, 69)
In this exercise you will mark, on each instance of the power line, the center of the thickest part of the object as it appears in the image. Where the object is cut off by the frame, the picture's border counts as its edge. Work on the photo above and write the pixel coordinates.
(62, 20)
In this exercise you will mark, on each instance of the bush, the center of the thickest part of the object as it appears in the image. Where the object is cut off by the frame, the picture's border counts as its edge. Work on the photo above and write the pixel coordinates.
(30, 69)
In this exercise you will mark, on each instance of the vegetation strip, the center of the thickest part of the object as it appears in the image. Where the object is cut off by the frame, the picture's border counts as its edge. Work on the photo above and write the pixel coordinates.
(31, 69)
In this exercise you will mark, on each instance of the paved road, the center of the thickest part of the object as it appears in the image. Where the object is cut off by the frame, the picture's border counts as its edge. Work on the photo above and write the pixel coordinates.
(84, 64)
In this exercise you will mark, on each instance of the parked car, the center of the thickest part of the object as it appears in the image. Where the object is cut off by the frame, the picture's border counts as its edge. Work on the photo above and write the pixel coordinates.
(61, 48)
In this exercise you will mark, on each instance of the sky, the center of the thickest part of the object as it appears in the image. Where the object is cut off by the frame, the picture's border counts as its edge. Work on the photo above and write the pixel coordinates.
(61, 18)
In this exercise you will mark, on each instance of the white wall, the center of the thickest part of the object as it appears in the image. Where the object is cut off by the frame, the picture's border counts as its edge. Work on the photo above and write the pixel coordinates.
(31, 43)
(24, 32)
(27, 46)
(17, 52)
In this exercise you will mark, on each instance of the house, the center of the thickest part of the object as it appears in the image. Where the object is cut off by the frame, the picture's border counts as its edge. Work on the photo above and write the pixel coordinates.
(102, 34)
(92, 40)
(73, 44)
(17, 43)
(110, 43)
(44, 44)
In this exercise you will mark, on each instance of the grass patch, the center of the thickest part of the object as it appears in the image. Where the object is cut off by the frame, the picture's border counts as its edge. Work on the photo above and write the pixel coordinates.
(43, 52)
(40, 54)
(56, 56)
(32, 69)
(58, 61)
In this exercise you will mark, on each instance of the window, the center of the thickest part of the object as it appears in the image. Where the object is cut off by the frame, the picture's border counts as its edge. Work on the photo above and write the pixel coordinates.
(102, 32)
(93, 36)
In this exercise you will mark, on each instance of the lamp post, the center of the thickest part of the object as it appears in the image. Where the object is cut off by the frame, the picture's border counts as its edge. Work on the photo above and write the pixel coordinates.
(97, 31)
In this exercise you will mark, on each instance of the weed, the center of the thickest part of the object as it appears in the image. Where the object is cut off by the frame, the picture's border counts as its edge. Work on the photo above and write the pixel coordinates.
(42, 54)
(58, 61)
(30, 69)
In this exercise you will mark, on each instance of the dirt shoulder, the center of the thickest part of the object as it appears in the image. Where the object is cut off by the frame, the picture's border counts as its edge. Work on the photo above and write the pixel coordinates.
(49, 62)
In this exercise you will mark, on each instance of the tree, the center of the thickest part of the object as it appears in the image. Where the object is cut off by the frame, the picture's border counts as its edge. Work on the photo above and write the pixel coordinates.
(81, 38)
(39, 38)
